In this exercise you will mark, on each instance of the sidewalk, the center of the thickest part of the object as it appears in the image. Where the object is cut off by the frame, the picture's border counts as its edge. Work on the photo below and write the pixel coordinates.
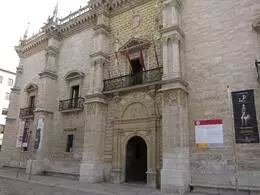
(58, 186)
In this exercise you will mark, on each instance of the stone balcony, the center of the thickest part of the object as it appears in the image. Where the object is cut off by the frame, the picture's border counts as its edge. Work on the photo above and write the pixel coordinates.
(145, 77)
(70, 105)
(26, 112)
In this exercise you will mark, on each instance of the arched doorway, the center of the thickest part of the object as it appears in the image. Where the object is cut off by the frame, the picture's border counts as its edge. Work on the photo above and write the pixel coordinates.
(136, 160)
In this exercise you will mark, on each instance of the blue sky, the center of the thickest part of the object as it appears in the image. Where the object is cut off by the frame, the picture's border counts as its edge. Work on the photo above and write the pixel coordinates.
(14, 17)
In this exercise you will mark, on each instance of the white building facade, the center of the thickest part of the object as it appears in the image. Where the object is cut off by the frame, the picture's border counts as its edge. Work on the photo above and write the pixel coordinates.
(6, 83)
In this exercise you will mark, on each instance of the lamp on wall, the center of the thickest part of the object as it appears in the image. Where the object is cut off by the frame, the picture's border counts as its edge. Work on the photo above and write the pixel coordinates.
(257, 65)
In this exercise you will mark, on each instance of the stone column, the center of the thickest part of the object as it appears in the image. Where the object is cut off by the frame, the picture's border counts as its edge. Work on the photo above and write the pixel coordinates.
(175, 173)
(46, 102)
(92, 164)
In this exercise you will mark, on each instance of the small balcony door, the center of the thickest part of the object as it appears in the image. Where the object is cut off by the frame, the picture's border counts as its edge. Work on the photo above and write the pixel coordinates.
(137, 71)
(74, 96)
(32, 101)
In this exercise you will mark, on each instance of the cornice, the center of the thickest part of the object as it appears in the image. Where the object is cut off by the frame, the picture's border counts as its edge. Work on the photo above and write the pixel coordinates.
(95, 98)
(75, 22)
(48, 74)
(175, 28)
(43, 110)
(19, 70)
(177, 3)
(15, 89)
(101, 28)
(99, 54)
(120, 6)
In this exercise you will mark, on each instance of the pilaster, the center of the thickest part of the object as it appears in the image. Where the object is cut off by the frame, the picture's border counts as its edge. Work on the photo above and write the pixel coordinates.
(46, 104)
(92, 164)
(40, 159)
(100, 57)
(175, 172)
(172, 39)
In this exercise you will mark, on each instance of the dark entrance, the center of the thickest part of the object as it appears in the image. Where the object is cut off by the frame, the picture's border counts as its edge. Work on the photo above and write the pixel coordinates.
(137, 71)
(74, 96)
(136, 160)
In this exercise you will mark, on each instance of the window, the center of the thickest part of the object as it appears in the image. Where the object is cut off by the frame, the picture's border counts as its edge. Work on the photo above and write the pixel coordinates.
(4, 111)
(32, 101)
(74, 96)
(75, 92)
(10, 82)
(1, 79)
(7, 96)
(70, 139)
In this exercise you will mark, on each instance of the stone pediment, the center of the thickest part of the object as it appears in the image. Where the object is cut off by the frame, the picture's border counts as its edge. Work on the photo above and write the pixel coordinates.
(134, 44)
(31, 87)
(74, 75)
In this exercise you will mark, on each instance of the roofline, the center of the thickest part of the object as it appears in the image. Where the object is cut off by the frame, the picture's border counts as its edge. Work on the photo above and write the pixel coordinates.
(7, 71)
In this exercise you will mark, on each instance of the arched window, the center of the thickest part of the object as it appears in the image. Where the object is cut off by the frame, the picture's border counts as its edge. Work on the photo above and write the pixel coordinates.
(31, 90)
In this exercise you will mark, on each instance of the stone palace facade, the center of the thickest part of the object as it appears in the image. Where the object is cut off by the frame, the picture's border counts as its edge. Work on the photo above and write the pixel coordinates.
(110, 93)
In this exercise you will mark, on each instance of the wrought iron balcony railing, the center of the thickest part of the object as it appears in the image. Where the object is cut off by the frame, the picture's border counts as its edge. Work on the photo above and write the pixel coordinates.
(147, 76)
(26, 112)
(71, 104)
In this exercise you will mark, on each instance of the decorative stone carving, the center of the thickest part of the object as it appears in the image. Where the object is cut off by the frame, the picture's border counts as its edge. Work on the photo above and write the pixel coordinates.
(170, 98)
(136, 20)
(117, 99)
(74, 75)
(91, 109)
(182, 98)
(135, 110)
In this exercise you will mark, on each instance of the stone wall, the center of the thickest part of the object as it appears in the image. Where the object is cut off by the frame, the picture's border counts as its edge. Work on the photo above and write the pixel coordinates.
(220, 49)
(122, 30)
(73, 56)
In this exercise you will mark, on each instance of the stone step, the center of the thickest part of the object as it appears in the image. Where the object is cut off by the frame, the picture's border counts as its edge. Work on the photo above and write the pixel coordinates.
(62, 175)
(201, 193)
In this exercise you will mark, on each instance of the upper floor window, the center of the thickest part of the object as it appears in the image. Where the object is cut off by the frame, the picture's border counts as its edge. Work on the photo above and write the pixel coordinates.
(75, 92)
(10, 82)
(7, 96)
(1, 79)
(32, 101)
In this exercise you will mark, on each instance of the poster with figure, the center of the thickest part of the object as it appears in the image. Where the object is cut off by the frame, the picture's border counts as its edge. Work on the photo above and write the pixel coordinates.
(38, 134)
(19, 138)
(245, 121)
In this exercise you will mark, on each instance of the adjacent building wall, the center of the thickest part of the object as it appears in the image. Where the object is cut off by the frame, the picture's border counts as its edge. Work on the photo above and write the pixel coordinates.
(220, 50)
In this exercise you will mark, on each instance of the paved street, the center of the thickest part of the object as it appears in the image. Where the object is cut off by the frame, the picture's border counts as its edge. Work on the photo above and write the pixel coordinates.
(41, 185)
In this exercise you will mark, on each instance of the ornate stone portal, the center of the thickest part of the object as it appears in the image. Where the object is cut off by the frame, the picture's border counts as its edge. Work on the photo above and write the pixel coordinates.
(137, 120)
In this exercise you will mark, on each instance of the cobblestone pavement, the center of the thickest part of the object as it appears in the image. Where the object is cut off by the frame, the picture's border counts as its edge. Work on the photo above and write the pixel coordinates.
(46, 185)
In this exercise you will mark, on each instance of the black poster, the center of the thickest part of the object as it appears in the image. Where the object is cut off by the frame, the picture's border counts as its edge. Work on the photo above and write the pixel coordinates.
(246, 130)
(26, 134)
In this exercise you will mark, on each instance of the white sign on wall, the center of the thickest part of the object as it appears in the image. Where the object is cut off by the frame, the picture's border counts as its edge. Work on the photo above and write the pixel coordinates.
(19, 138)
(209, 133)
(39, 134)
